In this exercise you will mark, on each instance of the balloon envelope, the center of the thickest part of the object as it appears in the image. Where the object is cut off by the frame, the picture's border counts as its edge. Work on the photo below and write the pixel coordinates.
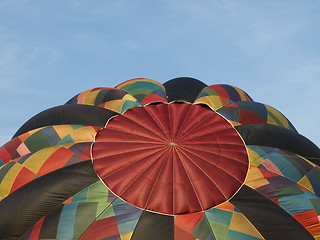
(145, 160)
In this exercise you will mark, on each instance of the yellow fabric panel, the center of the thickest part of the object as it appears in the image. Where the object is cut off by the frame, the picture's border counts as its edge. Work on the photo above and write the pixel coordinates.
(36, 160)
(90, 98)
(131, 81)
(126, 236)
(63, 130)
(7, 181)
(278, 115)
(129, 97)
(83, 134)
(243, 96)
(241, 224)
(233, 123)
(81, 96)
(114, 105)
(304, 182)
(215, 102)
(255, 178)
(254, 158)
(270, 120)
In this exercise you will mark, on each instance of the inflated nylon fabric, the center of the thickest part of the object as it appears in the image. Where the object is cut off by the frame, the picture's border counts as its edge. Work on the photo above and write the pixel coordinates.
(278, 137)
(24, 207)
(183, 89)
(68, 114)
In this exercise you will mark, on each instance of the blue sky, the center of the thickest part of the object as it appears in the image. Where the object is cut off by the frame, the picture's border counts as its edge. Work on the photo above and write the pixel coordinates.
(52, 50)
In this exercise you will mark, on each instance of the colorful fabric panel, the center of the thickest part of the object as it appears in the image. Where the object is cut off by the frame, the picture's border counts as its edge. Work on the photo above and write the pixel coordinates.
(246, 112)
(24, 169)
(109, 98)
(40, 138)
(144, 90)
(93, 213)
(219, 95)
(298, 201)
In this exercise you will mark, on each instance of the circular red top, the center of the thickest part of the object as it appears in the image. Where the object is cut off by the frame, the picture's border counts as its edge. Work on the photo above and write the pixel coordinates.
(172, 158)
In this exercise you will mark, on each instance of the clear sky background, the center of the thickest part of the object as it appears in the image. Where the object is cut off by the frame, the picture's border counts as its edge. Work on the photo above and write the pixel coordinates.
(52, 50)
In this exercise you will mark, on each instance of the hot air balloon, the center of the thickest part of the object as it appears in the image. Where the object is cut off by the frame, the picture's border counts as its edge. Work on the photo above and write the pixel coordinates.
(173, 161)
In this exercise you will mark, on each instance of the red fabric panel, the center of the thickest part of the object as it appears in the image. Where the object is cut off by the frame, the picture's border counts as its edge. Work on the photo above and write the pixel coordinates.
(220, 91)
(152, 98)
(36, 230)
(188, 222)
(309, 219)
(246, 117)
(57, 160)
(102, 228)
(23, 177)
(7, 150)
(172, 158)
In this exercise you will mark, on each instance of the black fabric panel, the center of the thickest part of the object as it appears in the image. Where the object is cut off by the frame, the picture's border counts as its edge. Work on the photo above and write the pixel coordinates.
(49, 226)
(269, 219)
(68, 114)
(278, 137)
(73, 100)
(183, 89)
(152, 226)
(28, 204)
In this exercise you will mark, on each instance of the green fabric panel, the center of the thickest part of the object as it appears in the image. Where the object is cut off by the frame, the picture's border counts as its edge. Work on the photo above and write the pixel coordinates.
(234, 235)
(98, 192)
(210, 92)
(5, 169)
(140, 92)
(80, 196)
(279, 123)
(203, 230)
(66, 140)
(126, 87)
(220, 230)
(219, 216)
(100, 96)
(128, 105)
(145, 86)
(38, 140)
(316, 205)
(288, 191)
(75, 126)
(86, 214)
(107, 212)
